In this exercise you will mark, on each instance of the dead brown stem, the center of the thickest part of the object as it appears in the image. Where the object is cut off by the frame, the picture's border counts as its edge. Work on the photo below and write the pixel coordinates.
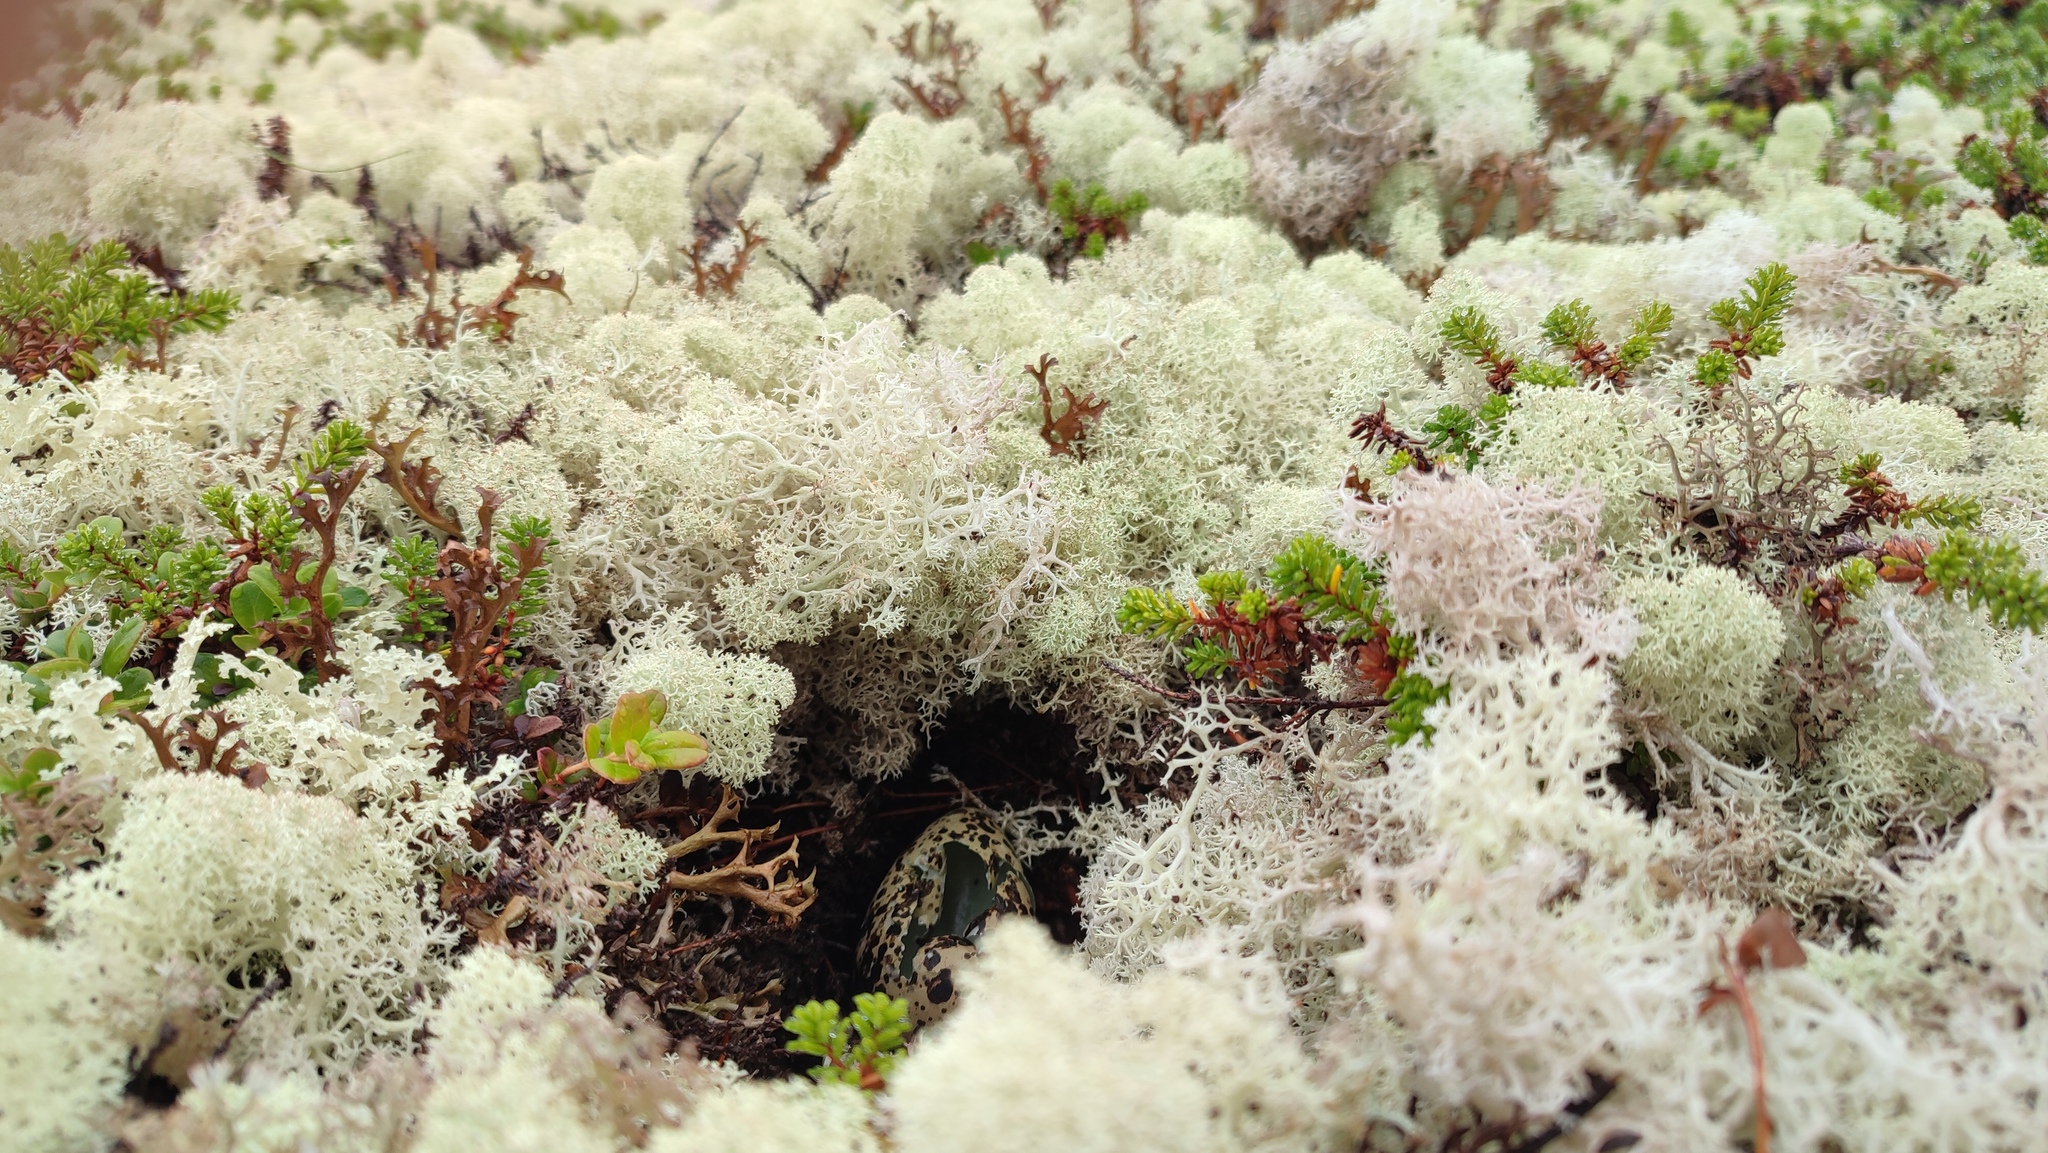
(1738, 991)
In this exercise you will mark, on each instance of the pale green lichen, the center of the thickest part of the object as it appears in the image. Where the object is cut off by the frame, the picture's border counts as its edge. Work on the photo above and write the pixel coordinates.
(800, 483)
(1706, 654)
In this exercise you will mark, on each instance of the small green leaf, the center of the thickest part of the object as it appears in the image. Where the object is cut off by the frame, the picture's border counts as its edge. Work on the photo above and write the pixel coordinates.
(1221, 586)
(133, 692)
(673, 749)
(515, 701)
(57, 667)
(617, 770)
(121, 645)
(77, 643)
(252, 605)
(1149, 612)
(1206, 658)
(265, 578)
(1408, 698)
(27, 781)
(635, 716)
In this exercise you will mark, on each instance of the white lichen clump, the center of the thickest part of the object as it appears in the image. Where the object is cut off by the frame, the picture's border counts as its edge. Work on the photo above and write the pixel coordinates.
(847, 363)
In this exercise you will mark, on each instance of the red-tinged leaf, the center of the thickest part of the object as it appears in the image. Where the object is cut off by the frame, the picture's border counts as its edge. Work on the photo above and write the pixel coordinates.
(635, 715)
(532, 728)
(1770, 942)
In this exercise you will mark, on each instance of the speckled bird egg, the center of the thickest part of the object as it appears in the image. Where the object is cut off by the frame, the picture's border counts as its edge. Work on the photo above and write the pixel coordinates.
(958, 875)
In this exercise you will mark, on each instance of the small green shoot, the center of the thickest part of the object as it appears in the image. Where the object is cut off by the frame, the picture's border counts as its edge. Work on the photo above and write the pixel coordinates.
(69, 309)
(1090, 218)
(1991, 575)
(1751, 325)
(629, 743)
(860, 1050)
(1408, 698)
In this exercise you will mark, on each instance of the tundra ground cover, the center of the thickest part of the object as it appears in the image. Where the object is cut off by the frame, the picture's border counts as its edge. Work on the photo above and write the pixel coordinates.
(1486, 557)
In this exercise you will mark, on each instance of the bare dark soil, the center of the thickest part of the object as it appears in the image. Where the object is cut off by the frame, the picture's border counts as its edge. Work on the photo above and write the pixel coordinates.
(727, 972)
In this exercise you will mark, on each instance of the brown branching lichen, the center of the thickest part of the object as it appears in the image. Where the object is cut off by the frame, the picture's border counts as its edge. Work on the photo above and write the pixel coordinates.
(710, 273)
(1067, 433)
(770, 885)
(417, 483)
(211, 752)
(437, 328)
(939, 61)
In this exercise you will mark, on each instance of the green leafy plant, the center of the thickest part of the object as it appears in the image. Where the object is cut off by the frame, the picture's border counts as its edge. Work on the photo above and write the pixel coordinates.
(1993, 576)
(162, 577)
(628, 743)
(1986, 51)
(284, 594)
(410, 568)
(2012, 165)
(1409, 695)
(1874, 499)
(68, 309)
(1335, 589)
(1456, 431)
(403, 27)
(1322, 598)
(859, 1050)
(1988, 574)
(1906, 186)
(1568, 328)
(1751, 327)
(71, 650)
(469, 604)
(979, 254)
(29, 777)
(1318, 603)
(1090, 218)
(1468, 332)
(275, 572)
(1700, 164)
(1748, 122)
(142, 591)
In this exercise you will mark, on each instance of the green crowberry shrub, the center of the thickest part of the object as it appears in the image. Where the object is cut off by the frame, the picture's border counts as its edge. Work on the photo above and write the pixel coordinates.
(69, 309)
